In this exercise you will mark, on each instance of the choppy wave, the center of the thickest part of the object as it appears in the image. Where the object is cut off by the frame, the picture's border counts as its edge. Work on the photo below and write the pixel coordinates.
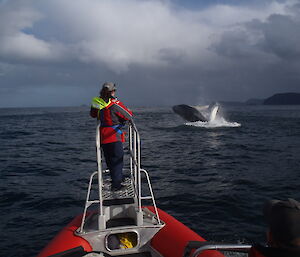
(213, 180)
(218, 122)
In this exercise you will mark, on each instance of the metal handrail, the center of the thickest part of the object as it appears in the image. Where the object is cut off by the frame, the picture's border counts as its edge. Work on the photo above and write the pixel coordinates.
(135, 170)
(99, 165)
(152, 195)
(87, 201)
(135, 154)
(224, 247)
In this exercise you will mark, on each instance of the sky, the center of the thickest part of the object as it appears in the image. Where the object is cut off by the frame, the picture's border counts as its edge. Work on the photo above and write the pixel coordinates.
(158, 52)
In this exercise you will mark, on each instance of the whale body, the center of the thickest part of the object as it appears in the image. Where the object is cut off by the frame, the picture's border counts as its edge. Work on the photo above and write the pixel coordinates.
(193, 114)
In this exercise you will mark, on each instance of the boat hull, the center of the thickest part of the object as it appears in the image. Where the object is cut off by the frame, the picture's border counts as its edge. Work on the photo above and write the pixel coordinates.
(170, 241)
(66, 240)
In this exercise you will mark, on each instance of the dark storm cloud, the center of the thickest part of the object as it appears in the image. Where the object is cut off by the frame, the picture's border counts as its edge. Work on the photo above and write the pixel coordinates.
(279, 36)
(264, 54)
(58, 52)
(282, 36)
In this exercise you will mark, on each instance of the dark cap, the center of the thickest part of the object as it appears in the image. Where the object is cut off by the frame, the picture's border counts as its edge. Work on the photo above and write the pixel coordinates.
(283, 218)
(109, 86)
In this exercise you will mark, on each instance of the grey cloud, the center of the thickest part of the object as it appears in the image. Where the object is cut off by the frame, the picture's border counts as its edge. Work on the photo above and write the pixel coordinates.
(279, 35)
(158, 54)
(16, 44)
(263, 55)
(172, 55)
(235, 44)
(282, 36)
(16, 15)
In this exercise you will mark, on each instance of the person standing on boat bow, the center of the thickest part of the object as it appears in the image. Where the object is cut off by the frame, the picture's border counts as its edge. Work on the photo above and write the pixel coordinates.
(112, 115)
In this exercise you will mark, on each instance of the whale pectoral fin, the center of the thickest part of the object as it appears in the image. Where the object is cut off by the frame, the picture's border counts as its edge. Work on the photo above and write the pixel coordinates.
(214, 112)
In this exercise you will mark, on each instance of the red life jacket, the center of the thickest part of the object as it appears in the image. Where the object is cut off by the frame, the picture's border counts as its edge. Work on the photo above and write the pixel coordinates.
(112, 118)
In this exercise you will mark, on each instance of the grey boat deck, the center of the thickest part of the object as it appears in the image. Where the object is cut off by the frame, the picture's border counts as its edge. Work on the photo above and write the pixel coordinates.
(126, 192)
(124, 196)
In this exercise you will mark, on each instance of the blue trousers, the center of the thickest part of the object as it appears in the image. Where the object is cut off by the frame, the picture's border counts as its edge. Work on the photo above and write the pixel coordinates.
(113, 153)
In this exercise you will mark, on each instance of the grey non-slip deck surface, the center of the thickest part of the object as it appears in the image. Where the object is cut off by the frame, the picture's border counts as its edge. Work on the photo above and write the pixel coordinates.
(126, 192)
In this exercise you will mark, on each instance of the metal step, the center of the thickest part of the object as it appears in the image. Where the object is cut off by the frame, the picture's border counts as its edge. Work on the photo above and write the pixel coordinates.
(125, 193)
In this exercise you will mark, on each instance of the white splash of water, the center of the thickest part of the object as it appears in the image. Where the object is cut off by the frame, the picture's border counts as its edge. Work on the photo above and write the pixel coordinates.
(213, 113)
(216, 123)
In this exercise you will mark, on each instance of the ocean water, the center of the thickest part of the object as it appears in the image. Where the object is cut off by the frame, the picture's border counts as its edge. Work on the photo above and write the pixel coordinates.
(212, 177)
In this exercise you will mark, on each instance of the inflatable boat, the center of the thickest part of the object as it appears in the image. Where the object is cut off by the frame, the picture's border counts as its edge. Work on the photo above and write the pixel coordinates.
(121, 223)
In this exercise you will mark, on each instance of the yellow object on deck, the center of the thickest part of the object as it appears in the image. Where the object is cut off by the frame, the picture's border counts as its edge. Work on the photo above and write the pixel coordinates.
(127, 240)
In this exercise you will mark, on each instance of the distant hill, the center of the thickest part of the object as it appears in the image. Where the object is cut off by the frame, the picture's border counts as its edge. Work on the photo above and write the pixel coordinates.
(283, 99)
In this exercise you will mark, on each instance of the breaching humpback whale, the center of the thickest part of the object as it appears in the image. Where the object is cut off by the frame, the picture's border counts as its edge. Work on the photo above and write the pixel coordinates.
(193, 114)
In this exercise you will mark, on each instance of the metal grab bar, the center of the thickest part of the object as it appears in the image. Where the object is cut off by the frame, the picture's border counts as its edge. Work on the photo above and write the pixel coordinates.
(99, 165)
(135, 159)
(152, 195)
(87, 202)
(225, 247)
(135, 167)
(135, 153)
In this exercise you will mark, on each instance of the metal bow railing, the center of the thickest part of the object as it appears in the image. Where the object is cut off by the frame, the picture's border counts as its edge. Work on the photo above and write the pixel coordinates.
(134, 150)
